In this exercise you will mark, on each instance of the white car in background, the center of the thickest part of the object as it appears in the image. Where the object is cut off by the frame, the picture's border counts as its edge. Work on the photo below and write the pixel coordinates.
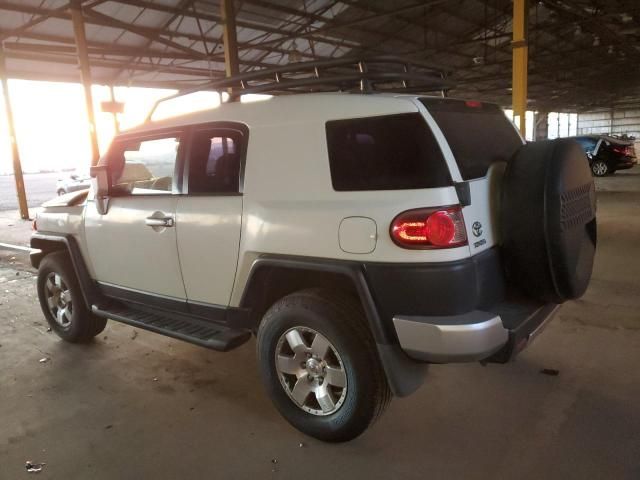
(74, 182)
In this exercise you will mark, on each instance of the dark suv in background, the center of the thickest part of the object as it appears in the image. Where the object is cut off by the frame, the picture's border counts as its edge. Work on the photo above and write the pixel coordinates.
(607, 154)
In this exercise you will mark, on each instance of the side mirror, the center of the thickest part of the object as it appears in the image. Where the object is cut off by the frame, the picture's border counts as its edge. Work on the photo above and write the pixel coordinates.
(101, 181)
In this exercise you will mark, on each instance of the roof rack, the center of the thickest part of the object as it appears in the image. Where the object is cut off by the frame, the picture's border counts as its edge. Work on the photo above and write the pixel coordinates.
(383, 73)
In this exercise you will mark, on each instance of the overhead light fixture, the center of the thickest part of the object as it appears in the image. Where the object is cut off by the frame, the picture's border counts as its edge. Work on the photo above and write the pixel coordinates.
(578, 31)
(295, 55)
(596, 41)
(610, 49)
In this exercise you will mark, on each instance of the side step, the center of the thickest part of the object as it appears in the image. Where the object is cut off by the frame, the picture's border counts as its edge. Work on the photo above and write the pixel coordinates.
(190, 330)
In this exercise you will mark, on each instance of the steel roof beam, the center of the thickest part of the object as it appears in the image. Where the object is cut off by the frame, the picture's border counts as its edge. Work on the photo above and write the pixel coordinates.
(200, 73)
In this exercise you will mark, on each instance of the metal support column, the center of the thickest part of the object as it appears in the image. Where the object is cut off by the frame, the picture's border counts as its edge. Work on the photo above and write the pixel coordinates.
(541, 126)
(520, 58)
(17, 167)
(75, 7)
(230, 39)
(112, 97)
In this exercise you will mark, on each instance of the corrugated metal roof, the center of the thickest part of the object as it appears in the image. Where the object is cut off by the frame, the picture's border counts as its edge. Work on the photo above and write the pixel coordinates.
(579, 54)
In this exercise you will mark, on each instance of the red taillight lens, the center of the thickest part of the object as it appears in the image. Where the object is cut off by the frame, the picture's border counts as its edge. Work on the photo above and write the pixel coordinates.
(626, 151)
(426, 228)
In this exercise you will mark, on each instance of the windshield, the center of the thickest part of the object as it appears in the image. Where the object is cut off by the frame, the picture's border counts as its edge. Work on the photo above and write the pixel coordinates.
(478, 134)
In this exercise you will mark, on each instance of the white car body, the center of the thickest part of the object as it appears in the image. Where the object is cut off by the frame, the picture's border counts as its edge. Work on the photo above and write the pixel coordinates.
(286, 207)
(272, 215)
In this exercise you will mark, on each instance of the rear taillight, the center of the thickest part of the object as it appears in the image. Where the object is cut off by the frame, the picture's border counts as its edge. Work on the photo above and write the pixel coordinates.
(426, 228)
(626, 151)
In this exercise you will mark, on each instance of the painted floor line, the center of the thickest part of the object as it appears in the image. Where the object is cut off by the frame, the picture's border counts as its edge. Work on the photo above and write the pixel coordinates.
(16, 247)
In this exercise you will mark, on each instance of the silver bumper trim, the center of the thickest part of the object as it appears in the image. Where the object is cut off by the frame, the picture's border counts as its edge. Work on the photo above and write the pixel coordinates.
(462, 338)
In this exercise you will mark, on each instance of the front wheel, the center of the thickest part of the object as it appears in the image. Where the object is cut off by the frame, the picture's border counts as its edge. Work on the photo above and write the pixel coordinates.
(320, 366)
(62, 302)
(600, 168)
(61, 192)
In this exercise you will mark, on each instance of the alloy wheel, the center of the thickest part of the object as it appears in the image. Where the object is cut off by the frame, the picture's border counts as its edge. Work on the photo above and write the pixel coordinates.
(58, 298)
(599, 168)
(311, 371)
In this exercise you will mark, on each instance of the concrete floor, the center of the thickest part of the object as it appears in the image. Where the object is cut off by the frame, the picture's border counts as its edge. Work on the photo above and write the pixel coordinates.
(138, 405)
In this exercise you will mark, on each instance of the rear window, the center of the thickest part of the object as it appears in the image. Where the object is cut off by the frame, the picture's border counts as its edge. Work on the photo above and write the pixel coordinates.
(479, 134)
(392, 152)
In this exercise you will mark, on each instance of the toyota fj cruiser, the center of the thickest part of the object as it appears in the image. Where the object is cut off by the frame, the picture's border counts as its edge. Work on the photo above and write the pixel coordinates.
(361, 237)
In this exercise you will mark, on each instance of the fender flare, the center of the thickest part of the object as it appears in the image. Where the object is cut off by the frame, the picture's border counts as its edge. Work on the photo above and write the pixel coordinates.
(46, 243)
(404, 375)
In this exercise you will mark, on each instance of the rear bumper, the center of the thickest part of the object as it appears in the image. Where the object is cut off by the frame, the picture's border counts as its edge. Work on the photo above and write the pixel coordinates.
(455, 311)
(627, 163)
(496, 336)
(436, 289)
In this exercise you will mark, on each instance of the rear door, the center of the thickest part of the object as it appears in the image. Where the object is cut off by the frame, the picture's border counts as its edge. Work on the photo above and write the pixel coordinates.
(480, 139)
(209, 215)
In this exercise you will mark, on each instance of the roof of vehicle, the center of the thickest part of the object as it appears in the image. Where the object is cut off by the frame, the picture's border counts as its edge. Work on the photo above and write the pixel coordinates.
(608, 138)
(287, 109)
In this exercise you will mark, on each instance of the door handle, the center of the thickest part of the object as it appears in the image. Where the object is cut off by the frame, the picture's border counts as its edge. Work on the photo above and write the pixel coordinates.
(159, 222)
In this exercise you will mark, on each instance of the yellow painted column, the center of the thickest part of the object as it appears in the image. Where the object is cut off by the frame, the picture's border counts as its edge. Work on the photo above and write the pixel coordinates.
(75, 6)
(15, 153)
(520, 59)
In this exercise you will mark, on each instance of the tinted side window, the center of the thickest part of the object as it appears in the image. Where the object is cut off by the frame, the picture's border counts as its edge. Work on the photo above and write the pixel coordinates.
(392, 152)
(214, 162)
(143, 167)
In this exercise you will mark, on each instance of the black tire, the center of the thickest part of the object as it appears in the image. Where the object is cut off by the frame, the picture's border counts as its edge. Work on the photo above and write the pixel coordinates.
(599, 168)
(61, 192)
(548, 220)
(82, 324)
(340, 319)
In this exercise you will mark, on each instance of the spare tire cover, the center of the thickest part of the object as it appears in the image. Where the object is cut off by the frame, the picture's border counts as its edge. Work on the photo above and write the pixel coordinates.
(548, 220)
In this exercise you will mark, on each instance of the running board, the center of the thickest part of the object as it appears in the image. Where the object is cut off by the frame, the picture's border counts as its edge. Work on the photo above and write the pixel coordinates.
(190, 330)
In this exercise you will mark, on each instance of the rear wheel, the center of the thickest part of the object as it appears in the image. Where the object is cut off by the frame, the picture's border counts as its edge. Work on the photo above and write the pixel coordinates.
(600, 168)
(62, 302)
(61, 192)
(320, 366)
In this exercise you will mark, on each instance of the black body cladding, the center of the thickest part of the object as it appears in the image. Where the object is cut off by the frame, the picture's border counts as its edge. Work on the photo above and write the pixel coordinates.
(449, 288)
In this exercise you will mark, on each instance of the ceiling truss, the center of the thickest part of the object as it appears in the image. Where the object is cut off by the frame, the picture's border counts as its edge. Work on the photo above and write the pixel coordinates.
(582, 53)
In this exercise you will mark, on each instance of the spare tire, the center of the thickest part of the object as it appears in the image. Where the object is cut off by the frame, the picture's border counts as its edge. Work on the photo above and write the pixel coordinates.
(548, 220)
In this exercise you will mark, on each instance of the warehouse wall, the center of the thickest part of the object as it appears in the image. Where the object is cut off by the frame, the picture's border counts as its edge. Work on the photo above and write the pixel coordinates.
(617, 121)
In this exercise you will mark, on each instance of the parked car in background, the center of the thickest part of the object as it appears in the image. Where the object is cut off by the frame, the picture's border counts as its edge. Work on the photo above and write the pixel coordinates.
(75, 181)
(607, 154)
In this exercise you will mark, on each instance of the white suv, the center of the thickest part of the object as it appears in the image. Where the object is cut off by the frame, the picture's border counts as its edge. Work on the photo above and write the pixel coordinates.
(360, 237)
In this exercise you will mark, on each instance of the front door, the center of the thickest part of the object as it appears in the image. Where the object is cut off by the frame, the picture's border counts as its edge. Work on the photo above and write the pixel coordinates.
(134, 245)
